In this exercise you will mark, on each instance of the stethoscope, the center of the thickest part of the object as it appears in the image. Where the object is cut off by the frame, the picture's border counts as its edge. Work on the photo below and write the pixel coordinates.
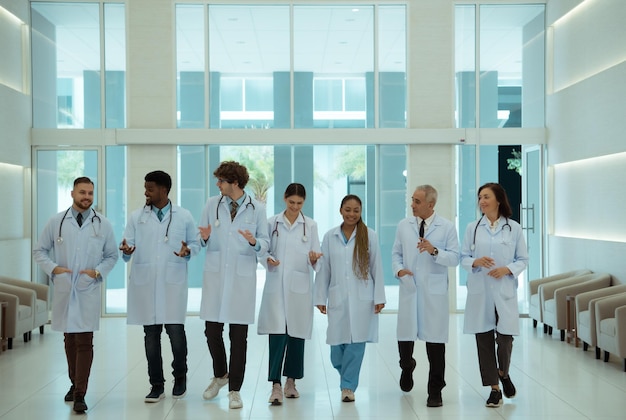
(473, 247)
(304, 237)
(93, 218)
(147, 214)
(217, 210)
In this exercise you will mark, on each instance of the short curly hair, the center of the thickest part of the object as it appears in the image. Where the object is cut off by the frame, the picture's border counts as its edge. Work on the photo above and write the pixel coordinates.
(232, 171)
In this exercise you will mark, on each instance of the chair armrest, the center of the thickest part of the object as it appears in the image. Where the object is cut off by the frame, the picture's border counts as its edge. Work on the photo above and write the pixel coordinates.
(584, 299)
(605, 308)
(42, 290)
(533, 285)
(601, 282)
(546, 291)
(26, 296)
(11, 313)
(620, 323)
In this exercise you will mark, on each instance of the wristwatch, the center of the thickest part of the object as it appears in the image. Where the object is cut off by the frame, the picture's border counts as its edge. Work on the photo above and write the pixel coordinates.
(97, 274)
(435, 252)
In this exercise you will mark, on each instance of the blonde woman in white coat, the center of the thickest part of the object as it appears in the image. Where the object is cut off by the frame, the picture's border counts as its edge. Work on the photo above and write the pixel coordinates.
(350, 289)
(286, 313)
(494, 253)
(426, 245)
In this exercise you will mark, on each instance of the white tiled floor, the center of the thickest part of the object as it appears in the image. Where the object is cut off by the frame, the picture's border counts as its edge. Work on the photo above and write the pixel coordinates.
(554, 380)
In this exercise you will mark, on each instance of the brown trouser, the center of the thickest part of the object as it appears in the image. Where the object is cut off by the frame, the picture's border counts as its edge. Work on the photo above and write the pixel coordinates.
(79, 353)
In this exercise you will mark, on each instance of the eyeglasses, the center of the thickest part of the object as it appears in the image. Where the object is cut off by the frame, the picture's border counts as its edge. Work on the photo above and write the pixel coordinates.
(222, 181)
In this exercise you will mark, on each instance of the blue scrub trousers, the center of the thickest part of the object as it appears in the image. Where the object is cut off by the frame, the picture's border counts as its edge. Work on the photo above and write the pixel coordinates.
(347, 359)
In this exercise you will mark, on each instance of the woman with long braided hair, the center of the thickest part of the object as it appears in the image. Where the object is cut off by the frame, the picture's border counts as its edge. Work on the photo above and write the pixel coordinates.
(350, 289)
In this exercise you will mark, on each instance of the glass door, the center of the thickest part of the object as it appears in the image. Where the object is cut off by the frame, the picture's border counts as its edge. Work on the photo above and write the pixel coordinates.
(54, 178)
(530, 212)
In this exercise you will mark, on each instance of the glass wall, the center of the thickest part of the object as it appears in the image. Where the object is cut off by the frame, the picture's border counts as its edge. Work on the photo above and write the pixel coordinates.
(68, 87)
(510, 57)
(55, 173)
(116, 211)
(291, 66)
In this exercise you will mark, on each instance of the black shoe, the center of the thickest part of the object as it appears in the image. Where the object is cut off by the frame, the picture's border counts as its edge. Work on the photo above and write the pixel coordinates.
(70, 394)
(507, 386)
(406, 377)
(79, 404)
(434, 401)
(180, 388)
(157, 393)
(495, 398)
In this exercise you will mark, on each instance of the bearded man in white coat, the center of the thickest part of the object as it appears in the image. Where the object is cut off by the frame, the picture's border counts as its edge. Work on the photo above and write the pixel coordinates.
(233, 228)
(77, 250)
(426, 245)
(161, 237)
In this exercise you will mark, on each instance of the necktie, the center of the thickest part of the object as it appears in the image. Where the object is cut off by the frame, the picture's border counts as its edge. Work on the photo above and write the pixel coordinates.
(422, 228)
(233, 209)
(160, 214)
(79, 219)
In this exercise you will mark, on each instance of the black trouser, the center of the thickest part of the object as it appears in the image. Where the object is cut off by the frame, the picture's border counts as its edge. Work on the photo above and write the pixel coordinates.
(152, 342)
(238, 334)
(436, 358)
(489, 365)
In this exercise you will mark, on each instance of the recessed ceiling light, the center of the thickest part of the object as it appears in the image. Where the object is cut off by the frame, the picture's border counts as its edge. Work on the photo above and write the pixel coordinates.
(355, 10)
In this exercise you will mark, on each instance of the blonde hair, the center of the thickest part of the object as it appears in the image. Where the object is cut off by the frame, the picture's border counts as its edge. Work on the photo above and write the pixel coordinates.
(361, 255)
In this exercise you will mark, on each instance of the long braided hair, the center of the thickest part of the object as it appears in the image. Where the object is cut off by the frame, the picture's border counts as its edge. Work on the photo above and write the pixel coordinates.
(361, 255)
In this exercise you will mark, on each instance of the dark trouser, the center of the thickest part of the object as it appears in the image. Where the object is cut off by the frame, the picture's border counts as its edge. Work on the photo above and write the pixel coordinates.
(238, 334)
(79, 353)
(178, 341)
(291, 350)
(437, 360)
(489, 365)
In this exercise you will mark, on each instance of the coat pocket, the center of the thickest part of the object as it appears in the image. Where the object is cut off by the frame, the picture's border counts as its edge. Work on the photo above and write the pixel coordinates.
(438, 284)
(300, 282)
(507, 288)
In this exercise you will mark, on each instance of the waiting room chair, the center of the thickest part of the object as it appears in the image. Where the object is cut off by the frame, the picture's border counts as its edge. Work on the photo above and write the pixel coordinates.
(586, 314)
(19, 314)
(555, 298)
(611, 326)
(535, 309)
(42, 299)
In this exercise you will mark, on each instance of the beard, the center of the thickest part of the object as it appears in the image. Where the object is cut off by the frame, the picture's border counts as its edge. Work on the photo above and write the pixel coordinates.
(84, 204)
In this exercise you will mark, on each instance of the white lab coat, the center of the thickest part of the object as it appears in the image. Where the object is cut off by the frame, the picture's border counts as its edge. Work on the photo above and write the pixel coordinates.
(349, 300)
(486, 294)
(288, 293)
(77, 297)
(423, 298)
(157, 282)
(229, 278)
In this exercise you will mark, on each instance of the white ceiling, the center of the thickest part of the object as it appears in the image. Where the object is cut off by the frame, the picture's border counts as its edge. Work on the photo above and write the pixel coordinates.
(255, 39)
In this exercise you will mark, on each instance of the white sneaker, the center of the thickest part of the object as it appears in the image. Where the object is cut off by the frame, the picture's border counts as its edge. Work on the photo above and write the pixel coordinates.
(290, 388)
(277, 395)
(214, 388)
(347, 395)
(234, 400)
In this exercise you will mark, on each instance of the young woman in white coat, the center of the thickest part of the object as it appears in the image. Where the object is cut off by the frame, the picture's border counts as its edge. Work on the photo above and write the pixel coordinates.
(494, 253)
(350, 289)
(286, 313)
